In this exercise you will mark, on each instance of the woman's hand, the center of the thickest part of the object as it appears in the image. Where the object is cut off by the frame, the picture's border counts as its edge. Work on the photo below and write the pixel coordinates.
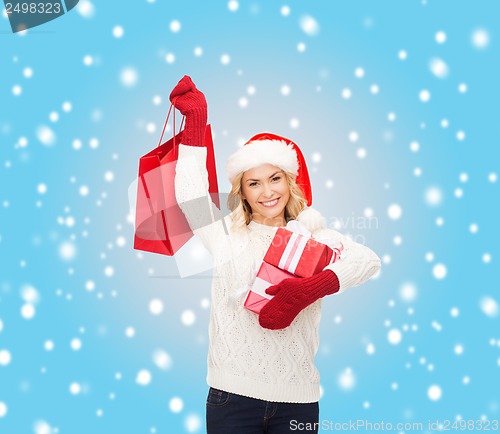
(293, 295)
(192, 104)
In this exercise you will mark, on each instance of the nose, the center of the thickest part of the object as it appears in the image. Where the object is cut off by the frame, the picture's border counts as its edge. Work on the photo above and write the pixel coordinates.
(268, 191)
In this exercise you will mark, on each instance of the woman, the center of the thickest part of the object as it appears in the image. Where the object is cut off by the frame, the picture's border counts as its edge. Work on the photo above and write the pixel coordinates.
(261, 368)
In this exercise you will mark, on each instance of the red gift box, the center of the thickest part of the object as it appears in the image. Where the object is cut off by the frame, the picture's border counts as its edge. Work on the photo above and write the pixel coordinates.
(267, 276)
(300, 254)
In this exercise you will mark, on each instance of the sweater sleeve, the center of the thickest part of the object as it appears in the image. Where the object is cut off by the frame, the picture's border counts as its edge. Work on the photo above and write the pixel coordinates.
(358, 263)
(191, 192)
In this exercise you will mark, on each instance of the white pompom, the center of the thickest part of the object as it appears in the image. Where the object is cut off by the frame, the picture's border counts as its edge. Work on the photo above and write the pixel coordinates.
(312, 219)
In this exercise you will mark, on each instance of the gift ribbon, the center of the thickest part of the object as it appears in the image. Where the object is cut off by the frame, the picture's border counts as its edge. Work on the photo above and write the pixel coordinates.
(297, 243)
(298, 228)
(336, 246)
(259, 287)
(293, 252)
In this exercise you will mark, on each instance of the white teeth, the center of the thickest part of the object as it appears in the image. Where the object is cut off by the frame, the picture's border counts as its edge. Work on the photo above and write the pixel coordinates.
(270, 203)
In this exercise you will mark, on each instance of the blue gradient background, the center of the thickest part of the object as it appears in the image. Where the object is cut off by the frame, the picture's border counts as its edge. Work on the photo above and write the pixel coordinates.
(262, 44)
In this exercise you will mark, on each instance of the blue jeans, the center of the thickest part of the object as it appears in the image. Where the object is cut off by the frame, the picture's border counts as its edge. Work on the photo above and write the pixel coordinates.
(229, 413)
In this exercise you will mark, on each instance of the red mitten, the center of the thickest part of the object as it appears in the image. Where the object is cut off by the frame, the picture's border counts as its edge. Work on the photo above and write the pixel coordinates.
(192, 104)
(293, 295)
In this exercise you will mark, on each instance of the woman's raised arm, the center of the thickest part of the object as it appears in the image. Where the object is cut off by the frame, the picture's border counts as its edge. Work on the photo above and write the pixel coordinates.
(191, 176)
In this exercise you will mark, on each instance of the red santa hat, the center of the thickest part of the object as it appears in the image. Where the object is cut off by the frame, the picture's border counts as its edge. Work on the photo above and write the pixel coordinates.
(267, 148)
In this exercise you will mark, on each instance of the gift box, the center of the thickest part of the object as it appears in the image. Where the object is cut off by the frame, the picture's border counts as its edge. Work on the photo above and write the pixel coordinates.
(293, 250)
(267, 276)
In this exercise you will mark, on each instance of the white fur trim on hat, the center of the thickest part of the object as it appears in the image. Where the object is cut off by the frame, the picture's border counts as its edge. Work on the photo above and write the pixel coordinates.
(259, 152)
(312, 219)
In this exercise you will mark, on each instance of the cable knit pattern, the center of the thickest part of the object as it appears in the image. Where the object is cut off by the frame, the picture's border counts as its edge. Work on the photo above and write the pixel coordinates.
(243, 357)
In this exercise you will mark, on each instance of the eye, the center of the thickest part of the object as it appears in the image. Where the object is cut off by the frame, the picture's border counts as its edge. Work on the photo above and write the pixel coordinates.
(276, 179)
(252, 184)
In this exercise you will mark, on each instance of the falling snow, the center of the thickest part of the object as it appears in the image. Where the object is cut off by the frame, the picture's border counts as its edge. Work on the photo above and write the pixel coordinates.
(394, 212)
(439, 68)
(175, 26)
(129, 77)
(156, 307)
(433, 196)
(408, 292)
(434, 393)
(489, 306)
(86, 8)
(233, 5)
(5, 357)
(46, 135)
(480, 39)
(394, 336)
(118, 32)
(439, 271)
(399, 157)
(424, 95)
(309, 25)
(176, 405)
(440, 37)
(143, 377)
(3, 409)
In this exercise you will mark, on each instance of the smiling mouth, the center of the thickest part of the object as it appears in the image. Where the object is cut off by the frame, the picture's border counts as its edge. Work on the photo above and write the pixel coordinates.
(270, 203)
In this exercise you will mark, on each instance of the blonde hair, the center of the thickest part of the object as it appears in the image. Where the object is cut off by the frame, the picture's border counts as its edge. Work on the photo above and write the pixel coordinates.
(242, 213)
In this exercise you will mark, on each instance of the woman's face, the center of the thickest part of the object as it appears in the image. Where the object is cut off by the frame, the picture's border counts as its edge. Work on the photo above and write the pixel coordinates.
(266, 190)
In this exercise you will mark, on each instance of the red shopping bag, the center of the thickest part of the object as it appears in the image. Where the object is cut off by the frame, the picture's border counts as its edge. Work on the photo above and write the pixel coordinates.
(160, 225)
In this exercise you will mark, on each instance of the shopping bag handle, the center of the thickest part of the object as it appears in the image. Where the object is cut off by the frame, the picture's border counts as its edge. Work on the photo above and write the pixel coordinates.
(166, 122)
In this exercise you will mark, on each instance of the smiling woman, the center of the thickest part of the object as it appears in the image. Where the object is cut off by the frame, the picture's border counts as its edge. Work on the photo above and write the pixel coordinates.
(266, 169)
(261, 369)
(266, 192)
(265, 189)
(245, 187)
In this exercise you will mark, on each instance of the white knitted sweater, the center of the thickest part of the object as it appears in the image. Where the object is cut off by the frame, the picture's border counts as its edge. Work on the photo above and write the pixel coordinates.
(243, 357)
